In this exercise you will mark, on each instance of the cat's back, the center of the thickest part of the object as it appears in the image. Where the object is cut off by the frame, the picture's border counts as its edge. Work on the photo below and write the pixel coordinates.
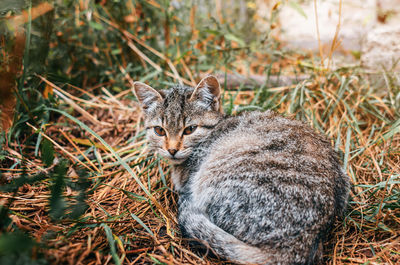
(262, 142)
(269, 180)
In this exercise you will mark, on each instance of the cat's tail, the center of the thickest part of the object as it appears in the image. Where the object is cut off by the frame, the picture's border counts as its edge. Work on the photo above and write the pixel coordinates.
(195, 224)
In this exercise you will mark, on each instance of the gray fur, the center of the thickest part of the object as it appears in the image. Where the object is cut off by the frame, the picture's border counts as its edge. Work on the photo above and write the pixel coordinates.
(257, 188)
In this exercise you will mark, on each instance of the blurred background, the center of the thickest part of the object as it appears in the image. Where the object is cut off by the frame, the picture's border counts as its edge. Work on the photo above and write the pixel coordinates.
(78, 185)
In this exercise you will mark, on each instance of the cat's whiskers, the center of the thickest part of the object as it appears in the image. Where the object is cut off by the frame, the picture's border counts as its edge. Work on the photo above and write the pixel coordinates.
(184, 153)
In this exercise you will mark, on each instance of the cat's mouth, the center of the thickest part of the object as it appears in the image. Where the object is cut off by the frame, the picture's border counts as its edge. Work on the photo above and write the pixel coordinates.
(176, 161)
(178, 158)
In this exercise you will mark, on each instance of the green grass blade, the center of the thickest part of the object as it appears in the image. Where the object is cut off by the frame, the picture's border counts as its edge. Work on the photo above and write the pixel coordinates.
(137, 219)
(111, 242)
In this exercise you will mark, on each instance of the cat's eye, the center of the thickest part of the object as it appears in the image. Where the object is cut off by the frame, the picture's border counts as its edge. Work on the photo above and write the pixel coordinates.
(189, 129)
(159, 131)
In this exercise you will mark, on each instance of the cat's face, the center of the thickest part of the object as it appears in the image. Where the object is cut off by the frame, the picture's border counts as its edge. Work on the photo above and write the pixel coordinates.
(179, 118)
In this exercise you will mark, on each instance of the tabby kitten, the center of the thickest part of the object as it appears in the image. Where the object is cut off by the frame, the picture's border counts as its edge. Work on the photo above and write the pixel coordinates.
(256, 188)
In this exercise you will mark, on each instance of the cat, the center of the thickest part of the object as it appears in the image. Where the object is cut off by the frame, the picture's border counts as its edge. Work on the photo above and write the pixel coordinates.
(256, 188)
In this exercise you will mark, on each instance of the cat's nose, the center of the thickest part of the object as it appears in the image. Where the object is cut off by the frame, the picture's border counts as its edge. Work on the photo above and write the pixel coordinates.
(172, 151)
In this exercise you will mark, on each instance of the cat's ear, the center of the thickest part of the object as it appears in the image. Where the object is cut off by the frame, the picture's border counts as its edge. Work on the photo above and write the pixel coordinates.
(208, 93)
(148, 97)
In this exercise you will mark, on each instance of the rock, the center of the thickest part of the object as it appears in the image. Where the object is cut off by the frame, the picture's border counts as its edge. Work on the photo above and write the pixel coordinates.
(381, 50)
(298, 23)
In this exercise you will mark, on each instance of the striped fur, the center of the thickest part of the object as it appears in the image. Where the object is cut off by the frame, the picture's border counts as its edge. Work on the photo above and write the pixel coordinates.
(257, 188)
